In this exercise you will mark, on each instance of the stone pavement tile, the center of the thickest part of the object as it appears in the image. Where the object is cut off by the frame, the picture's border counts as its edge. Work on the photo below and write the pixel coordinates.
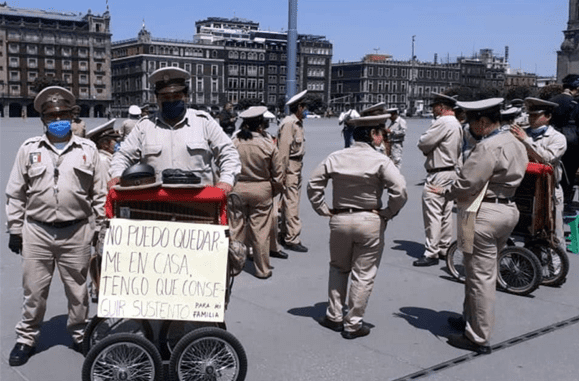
(549, 357)
(281, 346)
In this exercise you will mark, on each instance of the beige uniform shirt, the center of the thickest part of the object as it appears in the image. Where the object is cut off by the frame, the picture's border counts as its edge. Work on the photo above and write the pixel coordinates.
(49, 186)
(359, 176)
(127, 127)
(499, 159)
(550, 146)
(442, 143)
(78, 128)
(397, 130)
(194, 144)
(260, 160)
(291, 140)
(106, 158)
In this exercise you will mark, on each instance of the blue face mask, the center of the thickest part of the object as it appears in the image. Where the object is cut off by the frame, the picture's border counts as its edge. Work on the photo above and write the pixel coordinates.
(117, 146)
(59, 128)
(173, 110)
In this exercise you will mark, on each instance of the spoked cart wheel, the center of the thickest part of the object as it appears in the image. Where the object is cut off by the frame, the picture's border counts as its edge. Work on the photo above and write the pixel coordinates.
(174, 330)
(99, 328)
(208, 353)
(123, 357)
(519, 270)
(554, 262)
(454, 262)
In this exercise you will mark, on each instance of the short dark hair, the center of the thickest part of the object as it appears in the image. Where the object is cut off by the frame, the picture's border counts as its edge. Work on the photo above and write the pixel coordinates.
(493, 114)
(364, 134)
(293, 108)
(248, 126)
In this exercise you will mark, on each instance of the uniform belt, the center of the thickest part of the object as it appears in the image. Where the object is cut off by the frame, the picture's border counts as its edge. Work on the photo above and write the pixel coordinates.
(350, 210)
(497, 200)
(298, 158)
(441, 169)
(60, 224)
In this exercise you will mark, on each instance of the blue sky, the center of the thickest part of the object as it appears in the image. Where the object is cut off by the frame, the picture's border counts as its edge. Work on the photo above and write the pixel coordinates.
(532, 29)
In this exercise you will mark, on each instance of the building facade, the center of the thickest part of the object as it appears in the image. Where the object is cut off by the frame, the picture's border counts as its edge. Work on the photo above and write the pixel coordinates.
(407, 85)
(229, 60)
(69, 47)
(518, 78)
(135, 59)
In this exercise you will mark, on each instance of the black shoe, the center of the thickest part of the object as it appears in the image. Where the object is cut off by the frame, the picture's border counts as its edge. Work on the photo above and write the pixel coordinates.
(364, 330)
(297, 247)
(278, 254)
(425, 261)
(457, 323)
(333, 325)
(20, 354)
(462, 342)
(265, 277)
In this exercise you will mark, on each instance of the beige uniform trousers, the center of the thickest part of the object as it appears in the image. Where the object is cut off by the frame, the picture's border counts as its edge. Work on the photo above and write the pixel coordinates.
(493, 226)
(292, 225)
(437, 215)
(273, 237)
(43, 248)
(253, 226)
(559, 206)
(356, 245)
(396, 154)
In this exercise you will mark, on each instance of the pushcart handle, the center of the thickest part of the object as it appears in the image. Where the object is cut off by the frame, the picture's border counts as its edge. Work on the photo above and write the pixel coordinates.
(199, 195)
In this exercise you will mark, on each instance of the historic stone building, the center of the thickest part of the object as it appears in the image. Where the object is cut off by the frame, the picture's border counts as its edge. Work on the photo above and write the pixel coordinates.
(406, 85)
(134, 60)
(267, 64)
(70, 47)
(229, 60)
(568, 56)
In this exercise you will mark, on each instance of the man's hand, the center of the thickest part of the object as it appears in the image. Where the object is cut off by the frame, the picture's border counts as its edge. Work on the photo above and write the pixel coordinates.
(518, 132)
(15, 243)
(224, 187)
(112, 182)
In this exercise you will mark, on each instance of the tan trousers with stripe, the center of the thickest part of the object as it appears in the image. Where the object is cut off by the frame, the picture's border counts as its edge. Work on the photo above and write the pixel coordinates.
(356, 245)
(45, 248)
(437, 215)
(291, 224)
(493, 226)
(253, 226)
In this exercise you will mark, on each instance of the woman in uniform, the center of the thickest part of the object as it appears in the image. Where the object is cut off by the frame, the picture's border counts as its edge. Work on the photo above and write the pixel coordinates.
(261, 177)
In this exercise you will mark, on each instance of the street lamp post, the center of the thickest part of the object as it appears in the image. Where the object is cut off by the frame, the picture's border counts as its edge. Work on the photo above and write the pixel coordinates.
(292, 49)
(412, 79)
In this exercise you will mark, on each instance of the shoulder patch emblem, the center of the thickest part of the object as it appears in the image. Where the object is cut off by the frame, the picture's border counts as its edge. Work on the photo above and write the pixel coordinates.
(35, 158)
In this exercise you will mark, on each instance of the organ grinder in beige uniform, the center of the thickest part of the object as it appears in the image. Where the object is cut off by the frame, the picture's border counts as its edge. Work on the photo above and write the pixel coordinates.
(54, 187)
(291, 143)
(359, 175)
(495, 167)
(260, 178)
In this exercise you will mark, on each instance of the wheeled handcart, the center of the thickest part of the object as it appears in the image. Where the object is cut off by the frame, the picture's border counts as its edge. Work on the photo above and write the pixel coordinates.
(540, 260)
(173, 229)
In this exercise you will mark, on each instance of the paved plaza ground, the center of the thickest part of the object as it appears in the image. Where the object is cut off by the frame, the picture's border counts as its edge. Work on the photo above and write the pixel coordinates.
(275, 319)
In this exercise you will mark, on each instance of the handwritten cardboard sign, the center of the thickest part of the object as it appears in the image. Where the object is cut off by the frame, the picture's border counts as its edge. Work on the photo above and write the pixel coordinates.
(163, 270)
